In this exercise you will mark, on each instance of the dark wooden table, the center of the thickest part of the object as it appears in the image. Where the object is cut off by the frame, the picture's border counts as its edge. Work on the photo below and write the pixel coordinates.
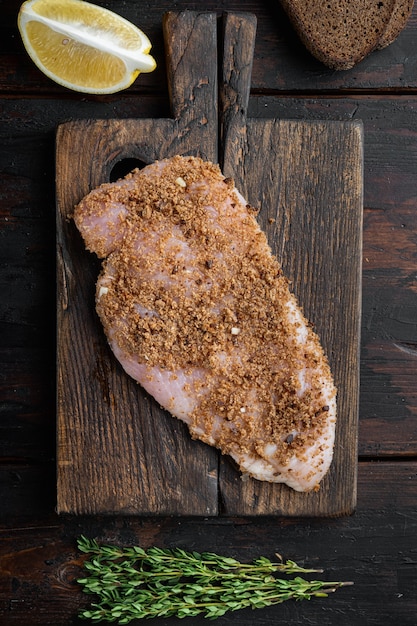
(376, 547)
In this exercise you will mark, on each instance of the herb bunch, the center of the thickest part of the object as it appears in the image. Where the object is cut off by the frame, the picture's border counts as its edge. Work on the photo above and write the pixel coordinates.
(134, 583)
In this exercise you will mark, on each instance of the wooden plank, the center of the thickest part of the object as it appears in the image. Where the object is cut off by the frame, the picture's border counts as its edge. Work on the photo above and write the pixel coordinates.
(117, 451)
(281, 62)
(386, 489)
(275, 166)
(307, 179)
(375, 548)
(313, 218)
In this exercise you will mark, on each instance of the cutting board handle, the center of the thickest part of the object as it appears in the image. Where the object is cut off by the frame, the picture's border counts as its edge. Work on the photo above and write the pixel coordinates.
(212, 90)
(239, 33)
(191, 63)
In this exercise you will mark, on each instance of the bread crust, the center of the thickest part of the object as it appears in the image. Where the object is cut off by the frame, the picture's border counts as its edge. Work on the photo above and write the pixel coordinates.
(399, 19)
(340, 36)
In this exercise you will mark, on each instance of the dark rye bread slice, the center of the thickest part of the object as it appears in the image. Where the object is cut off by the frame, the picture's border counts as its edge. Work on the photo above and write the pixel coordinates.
(399, 18)
(340, 33)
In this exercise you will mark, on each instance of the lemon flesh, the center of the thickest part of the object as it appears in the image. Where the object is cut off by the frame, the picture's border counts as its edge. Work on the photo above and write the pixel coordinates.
(82, 46)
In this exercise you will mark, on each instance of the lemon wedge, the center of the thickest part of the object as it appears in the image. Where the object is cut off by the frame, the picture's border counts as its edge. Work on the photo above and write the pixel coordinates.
(83, 46)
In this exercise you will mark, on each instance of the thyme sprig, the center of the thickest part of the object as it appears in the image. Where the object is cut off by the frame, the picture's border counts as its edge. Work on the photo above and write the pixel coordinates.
(134, 583)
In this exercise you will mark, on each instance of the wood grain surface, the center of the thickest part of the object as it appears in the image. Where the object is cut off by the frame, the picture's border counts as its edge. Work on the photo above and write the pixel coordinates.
(376, 546)
(118, 452)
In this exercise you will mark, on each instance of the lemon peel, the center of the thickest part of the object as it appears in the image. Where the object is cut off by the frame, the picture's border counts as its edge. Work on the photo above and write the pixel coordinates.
(82, 46)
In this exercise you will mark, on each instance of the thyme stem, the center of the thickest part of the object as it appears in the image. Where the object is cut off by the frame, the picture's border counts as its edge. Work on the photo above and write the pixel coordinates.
(134, 583)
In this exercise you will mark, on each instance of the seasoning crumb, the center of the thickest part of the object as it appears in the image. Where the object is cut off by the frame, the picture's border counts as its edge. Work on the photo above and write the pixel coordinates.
(181, 182)
(102, 291)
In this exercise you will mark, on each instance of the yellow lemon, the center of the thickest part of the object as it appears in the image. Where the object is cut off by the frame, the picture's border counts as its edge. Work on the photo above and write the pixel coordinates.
(83, 46)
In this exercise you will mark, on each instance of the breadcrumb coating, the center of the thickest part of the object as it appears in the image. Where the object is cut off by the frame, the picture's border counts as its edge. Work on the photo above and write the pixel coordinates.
(190, 293)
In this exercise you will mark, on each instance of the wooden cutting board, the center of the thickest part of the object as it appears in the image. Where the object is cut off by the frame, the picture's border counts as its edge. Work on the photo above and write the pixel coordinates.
(118, 452)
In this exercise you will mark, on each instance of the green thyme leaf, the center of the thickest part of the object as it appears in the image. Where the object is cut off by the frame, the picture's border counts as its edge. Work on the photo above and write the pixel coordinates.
(137, 583)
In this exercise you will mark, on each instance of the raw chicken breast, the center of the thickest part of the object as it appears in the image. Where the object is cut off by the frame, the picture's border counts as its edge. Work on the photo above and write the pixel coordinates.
(196, 309)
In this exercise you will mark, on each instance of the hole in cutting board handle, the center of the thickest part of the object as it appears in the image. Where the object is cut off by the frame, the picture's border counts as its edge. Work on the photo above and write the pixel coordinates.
(123, 167)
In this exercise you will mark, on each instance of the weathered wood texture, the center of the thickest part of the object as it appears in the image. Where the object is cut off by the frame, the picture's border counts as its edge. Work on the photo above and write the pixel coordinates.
(117, 450)
(281, 62)
(376, 547)
(274, 164)
(388, 391)
(388, 408)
